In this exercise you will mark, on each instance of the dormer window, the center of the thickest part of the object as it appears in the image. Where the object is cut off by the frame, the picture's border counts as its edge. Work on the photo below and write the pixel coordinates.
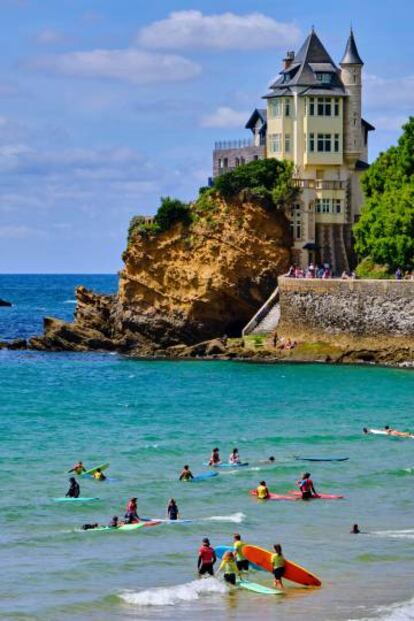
(325, 78)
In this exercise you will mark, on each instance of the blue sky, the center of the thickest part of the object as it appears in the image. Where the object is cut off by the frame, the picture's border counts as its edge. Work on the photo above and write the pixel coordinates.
(106, 105)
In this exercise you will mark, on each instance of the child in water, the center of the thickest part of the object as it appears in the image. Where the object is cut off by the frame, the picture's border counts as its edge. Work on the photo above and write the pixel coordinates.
(278, 563)
(99, 475)
(234, 457)
(214, 458)
(206, 558)
(186, 474)
(229, 568)
(262, 491)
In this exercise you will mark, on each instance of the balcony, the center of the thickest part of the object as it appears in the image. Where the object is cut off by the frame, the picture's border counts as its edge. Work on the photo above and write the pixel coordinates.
(320, 184)
(223, 145)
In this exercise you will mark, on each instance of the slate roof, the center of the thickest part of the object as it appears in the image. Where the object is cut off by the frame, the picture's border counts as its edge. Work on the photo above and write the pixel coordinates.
(351, 55)
(311, 59)
(258, 113)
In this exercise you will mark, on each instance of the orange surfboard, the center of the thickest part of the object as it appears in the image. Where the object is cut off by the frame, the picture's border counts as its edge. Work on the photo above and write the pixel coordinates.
(293, 572)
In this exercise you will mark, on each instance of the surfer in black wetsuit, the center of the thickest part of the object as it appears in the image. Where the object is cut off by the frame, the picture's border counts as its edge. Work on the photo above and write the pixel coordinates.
(172, 510)
(74, 489)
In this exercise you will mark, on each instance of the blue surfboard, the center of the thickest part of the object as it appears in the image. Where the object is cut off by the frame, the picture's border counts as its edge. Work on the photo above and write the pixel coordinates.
(321, 458)
(203, 476)
(220, 550)
(245, 463)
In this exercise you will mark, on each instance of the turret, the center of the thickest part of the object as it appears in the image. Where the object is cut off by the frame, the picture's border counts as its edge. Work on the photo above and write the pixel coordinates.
(351, 75)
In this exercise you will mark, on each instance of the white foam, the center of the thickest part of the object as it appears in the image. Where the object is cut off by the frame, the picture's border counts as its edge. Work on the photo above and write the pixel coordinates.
(395, 612)
(237, 518)
(69, 302)
(395, 534)
(169, 596)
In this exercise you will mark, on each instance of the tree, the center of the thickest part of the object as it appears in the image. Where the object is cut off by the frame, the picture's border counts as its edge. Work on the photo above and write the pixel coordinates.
(385, 230)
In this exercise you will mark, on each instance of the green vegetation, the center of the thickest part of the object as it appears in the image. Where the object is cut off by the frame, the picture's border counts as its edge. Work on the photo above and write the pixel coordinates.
(269, 180)
(368, 269)
(385, 230)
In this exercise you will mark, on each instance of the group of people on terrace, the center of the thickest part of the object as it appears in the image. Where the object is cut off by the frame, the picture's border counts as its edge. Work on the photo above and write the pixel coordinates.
(312, 271)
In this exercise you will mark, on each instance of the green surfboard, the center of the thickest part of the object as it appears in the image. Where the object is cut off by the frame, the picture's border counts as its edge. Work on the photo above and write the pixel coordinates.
(91, 471)
(80, 499)
(258, 588)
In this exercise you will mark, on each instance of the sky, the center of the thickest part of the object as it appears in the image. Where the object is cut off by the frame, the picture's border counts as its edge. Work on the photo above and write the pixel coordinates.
(107, 105)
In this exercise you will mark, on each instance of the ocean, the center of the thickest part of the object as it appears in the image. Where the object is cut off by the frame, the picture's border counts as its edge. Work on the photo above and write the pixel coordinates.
(148, 419)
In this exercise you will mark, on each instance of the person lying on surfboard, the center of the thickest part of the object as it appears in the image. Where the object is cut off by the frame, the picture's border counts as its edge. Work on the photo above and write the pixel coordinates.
(99, 475)
(78, 468)
(186, 474)
(131, 514)
(306, 487)
(74, 489)
(262, 491)
(114, 523)
(229, 568)
(234, 457)
(214, 458)
(241, 561)
(395, 432)
(278, 563)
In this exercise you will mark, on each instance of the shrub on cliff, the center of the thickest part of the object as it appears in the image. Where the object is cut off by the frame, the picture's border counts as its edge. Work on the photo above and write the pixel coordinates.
(385, 230)
(268, 179)
(172, 211)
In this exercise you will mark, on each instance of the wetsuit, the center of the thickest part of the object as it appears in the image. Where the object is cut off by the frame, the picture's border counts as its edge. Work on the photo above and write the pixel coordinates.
(172, 512)
(73, 491)
(206, 560)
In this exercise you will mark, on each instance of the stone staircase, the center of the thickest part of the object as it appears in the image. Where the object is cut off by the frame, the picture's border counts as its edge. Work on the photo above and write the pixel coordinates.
(266, 319)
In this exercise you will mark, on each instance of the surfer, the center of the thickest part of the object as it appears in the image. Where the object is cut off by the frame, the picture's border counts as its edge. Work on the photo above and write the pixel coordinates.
(172, 510)
(241, 561)
(262, 491)
(74, 489)
(78, 468)
(395, 432)
(214, 458)
(90, 526)
(99, 475)
(206, 558)
(306, 487)
(270, 460)
(229, 568)
(234, 457)
(114, 523)
(131, 514)
(278, 564)
(355, 530)
(186, 474)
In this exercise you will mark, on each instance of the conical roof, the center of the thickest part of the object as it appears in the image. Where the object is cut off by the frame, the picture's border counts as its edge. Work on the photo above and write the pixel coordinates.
(351, 55)
(313, 51)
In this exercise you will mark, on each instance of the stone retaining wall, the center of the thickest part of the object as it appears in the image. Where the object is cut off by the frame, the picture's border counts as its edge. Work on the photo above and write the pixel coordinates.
(358, 308)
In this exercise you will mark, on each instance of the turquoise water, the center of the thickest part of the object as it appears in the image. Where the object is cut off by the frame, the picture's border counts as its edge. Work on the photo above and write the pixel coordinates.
(148, 419)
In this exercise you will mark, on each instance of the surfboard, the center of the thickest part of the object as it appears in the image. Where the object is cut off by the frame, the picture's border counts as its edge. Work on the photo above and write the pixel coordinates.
(203, 476)
(92, 471)
(293, 572)
(382, 432)
(245, 463)
(127, 527)
(220, 550)
(257, 588)
(298, 494)
(79, 499)
(321, 458)
(271, 496)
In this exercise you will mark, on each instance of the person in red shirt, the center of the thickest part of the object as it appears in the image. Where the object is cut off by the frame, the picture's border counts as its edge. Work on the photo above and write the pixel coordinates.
(206, 558)
(131, 514)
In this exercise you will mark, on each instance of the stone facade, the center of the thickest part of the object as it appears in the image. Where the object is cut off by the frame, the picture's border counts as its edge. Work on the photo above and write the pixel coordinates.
(358, 308)
(229, 158)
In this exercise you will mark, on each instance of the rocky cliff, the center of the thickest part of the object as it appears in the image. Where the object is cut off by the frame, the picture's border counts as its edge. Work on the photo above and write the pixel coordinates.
(191, 283)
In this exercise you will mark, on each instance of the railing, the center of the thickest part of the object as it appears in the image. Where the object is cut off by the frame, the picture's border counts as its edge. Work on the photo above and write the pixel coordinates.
(233, 144)
(261, 313)
(320, 184)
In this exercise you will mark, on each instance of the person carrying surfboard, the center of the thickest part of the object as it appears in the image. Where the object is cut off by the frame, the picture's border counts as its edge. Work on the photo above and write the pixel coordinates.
(78, 468)
(214, 458)
(74, 489)
(306, 487)
(241, 561)
(234, 457)
(206, 558)
(262, 491)
(186, 474)
(229, 568)
(278, 563)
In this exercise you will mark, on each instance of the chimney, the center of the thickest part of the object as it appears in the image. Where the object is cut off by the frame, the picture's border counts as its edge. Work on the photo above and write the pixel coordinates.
(288, 60)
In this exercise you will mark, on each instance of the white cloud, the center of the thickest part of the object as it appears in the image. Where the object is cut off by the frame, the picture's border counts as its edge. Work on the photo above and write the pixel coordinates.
(19, 232)
(128, 65)
(389, 92)
(192, 29)
(225, 117)
(50, 36)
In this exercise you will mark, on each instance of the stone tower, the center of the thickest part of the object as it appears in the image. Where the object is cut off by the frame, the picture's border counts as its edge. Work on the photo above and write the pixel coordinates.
(351, 75)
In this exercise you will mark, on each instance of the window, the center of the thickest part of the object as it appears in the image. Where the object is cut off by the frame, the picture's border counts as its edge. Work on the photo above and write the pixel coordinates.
(324, 106)
(311, 143)
(325, 78)
(275, 143)
(311, 106)
(324, 143)
(338, 207)
(336, 106)
(225, 162)
(275, 107)
(296, 221)
(220, 163)
(328, 205)
(287, 107)
(336, 143)
(287, 143)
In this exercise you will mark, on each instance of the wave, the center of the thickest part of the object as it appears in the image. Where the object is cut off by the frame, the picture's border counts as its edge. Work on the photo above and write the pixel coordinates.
(395, 612)
(169, 596)
(395, 534)
(69, 302)
(237, 518)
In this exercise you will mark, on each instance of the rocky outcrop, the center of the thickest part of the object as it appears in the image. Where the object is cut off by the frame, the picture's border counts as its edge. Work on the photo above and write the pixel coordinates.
(183, 286)
(5, 303)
